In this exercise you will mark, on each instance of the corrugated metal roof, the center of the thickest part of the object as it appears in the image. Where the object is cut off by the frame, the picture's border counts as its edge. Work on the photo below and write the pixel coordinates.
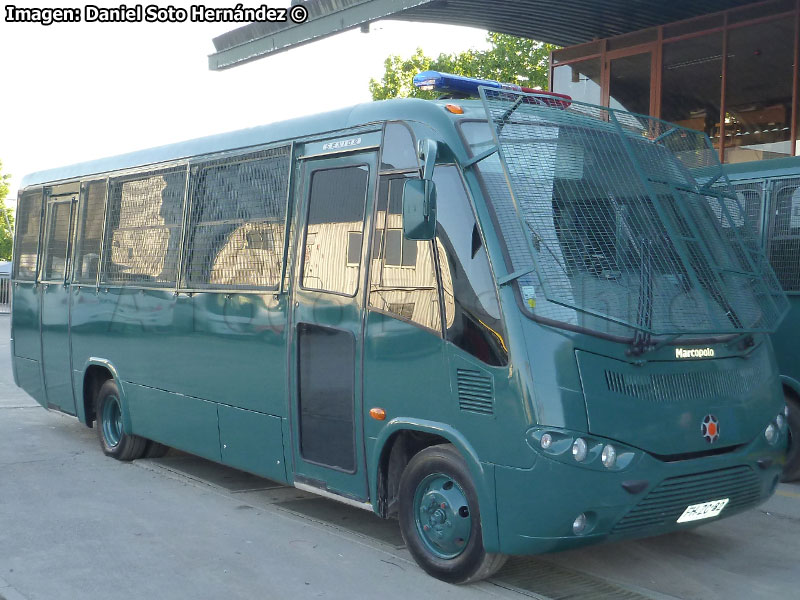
(561, 22)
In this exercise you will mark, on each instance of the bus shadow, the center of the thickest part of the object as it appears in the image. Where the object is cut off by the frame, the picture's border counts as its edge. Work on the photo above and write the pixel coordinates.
(524, 574)
(259, 491)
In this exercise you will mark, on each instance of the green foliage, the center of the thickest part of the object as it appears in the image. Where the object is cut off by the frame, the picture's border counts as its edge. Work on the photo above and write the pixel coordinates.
(6, 234)
(510, 59)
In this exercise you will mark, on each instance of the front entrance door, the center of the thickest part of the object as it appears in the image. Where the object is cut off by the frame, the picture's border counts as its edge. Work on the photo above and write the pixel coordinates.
(326, 347)
(54, 276)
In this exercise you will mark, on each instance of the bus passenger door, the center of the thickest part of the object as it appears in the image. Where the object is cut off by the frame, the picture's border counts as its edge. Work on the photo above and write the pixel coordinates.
(55, 268)
(326, 335)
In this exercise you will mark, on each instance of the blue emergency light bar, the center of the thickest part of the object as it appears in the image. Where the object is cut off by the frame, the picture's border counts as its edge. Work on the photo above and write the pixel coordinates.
(463, 86)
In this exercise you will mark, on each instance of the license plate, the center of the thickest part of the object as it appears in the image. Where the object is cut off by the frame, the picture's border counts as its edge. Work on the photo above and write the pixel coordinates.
(706, 510)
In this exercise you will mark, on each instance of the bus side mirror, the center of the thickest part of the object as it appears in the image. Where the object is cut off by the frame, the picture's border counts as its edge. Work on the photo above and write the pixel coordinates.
(419, 209)
(427, 150)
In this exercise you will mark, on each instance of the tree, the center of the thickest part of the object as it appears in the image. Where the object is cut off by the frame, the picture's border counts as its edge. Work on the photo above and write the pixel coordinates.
(6, 233)
(509, 59)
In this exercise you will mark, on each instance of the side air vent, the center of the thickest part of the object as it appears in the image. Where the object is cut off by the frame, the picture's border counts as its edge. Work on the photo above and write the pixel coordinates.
(475, 393)
(675, 387)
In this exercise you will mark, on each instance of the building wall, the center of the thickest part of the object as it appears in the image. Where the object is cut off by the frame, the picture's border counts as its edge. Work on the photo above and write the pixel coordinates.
(732, 75)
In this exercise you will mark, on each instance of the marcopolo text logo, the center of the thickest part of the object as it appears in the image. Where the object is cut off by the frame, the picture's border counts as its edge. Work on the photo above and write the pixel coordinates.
(694, 352)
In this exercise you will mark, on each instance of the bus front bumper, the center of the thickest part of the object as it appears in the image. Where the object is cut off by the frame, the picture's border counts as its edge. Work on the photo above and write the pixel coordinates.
(537, 508)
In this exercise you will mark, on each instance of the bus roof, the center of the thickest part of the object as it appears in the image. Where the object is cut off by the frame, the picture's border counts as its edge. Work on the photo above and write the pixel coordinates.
(427, 111)
(773, 167)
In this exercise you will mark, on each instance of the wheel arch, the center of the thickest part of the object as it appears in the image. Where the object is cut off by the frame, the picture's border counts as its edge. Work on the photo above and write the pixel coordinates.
(791, 384)
(396, 433)
(97, 371)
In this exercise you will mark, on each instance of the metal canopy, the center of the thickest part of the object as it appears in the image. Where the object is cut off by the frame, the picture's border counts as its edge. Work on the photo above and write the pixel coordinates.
(561, 22)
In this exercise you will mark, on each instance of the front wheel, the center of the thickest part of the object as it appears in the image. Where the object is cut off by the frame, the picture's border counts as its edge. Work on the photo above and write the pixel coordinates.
(791, 470)
(440, 519)
(113, 439)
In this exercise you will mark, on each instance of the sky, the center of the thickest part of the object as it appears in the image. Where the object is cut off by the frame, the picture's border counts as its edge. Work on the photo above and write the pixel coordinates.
(78, 91)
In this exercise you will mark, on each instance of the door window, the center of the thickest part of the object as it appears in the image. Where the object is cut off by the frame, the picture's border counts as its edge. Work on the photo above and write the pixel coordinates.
(334, 230)
(54, 267)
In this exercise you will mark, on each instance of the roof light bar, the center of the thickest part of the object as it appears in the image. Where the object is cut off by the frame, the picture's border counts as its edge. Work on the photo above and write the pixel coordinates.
(463, 86)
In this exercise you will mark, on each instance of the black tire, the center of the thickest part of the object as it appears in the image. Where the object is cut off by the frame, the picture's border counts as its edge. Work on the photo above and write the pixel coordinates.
(113, 439)
(155, 450)
(427, 468)
(791, 470)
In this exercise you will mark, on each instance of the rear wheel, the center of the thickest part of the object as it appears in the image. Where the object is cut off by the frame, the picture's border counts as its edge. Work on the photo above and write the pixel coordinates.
(113, 439)
(791, 470)
(440, 519)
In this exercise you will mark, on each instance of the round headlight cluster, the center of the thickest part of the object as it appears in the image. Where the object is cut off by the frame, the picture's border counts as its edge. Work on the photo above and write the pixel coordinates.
(580, 449)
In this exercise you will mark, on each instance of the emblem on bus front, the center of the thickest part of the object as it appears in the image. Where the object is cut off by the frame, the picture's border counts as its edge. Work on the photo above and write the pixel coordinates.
(694, 352)
(710, 428)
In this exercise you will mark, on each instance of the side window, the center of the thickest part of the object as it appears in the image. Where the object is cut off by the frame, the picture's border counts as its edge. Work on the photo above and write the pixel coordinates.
(57, 234)
(334, 230)
(29, 216)
(403, 274)
(91, 214)
(237, 220)
(472, 313)
(143, 230)
(784, 237)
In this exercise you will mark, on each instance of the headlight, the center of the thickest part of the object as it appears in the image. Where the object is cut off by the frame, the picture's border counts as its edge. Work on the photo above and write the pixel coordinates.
(781, 422)
(771, 433)
(579, 524)
(579, 449)
(609, 456)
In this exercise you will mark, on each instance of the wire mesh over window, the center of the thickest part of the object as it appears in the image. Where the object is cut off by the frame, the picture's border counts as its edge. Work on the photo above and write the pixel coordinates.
(54, 261)
(236, 229)
(29, 216)
(751, 197)
(608, 208)
(89, 238)
(143, 230)
(784, 232)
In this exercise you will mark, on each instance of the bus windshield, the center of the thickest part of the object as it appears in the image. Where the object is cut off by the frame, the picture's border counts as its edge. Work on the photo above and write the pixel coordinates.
(618, 223)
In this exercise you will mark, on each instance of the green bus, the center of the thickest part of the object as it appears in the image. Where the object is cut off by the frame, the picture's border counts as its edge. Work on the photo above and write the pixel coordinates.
(770, 192)
(516, 323)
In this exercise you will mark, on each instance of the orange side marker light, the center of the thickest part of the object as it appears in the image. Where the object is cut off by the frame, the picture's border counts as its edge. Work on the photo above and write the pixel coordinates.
(377, 413)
